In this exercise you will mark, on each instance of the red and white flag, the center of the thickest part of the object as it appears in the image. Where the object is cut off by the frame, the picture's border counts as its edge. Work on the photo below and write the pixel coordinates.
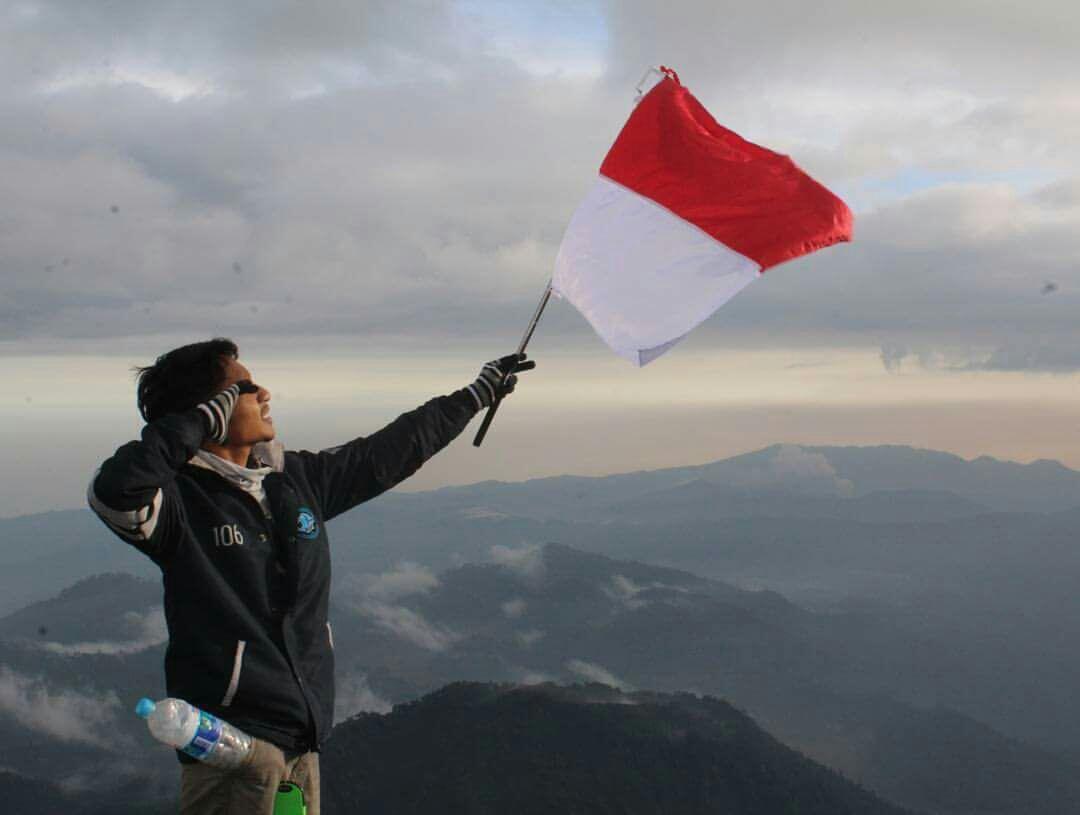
(685, 214)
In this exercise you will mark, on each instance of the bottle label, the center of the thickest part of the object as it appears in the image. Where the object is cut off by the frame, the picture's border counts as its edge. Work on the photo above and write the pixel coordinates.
(206, 736)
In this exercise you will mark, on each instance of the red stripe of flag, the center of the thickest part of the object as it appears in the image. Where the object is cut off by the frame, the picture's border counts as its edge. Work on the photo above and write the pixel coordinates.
(752, 200)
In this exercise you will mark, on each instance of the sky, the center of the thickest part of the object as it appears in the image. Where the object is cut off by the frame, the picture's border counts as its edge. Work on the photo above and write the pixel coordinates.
(369, 196)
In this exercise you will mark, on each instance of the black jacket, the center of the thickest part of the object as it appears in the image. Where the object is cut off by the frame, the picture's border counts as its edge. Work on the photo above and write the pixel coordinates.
(245, 596)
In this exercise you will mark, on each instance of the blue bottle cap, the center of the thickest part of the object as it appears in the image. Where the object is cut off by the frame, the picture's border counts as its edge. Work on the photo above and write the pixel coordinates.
(144, 708)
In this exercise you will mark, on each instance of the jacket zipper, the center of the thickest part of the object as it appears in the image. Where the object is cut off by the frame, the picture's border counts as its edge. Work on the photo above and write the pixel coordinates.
(268, 524)
(290, 540)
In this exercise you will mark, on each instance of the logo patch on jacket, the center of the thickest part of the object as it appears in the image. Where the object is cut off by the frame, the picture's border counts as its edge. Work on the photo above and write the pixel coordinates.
(306, 525)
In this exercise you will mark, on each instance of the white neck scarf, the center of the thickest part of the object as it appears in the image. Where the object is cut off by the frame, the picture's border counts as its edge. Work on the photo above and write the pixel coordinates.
(270, 457)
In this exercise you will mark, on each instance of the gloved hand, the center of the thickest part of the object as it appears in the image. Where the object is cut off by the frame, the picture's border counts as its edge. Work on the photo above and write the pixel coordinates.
(218, 410)
(490, 386)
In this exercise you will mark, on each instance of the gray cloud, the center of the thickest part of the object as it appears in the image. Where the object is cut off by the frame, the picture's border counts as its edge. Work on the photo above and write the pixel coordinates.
(1063, 194)
(960, 265)
(1032, 355)
(514, 608)
(151, 631)
(792, 467)
(62, 714)
(528, 677)
(406, 580)
(596, 673)
(354, 695)
(409, 625)
(394, 172)
(359, 215)
(245, 46)
(526, 561)
(1034, 358)
(625, 591)
(905, 40)
(529, 637)
(892, 356)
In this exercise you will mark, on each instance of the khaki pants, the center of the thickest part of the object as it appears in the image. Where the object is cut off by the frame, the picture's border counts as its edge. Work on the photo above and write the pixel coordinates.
(250, 788)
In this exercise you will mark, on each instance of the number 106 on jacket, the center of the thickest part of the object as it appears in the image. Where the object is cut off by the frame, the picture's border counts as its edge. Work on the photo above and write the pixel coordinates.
(228, 535)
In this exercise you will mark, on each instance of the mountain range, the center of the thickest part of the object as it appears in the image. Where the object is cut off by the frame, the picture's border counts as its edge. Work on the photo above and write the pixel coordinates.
(850, 486)
(904, 617)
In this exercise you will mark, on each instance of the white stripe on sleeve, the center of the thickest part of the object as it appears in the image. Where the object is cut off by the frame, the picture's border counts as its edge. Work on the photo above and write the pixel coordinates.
(138, 524)
(476, 396)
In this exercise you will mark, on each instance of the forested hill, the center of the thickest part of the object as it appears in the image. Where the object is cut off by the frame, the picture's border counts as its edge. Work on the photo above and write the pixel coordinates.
(486, 748)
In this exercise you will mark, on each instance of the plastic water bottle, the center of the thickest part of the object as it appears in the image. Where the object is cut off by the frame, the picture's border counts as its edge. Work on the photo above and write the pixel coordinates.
(199, 734)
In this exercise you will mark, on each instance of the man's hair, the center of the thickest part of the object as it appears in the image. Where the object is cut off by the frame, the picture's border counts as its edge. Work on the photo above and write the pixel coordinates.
(182, 378)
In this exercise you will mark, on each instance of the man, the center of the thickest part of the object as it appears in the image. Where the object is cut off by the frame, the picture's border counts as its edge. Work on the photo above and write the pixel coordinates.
(238, 527)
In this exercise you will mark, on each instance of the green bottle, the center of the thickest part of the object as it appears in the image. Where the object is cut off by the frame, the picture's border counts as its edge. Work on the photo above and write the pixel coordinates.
(289, 800)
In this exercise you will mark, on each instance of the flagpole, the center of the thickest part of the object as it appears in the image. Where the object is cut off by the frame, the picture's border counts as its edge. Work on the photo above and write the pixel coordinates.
(663, 73)
(520, 350)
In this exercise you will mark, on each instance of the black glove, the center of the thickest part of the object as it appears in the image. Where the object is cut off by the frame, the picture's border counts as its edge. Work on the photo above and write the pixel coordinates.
(218, 410)
(497, 379)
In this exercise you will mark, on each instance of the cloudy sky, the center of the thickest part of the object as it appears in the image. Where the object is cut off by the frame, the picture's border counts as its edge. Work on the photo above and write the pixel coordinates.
(368, 197)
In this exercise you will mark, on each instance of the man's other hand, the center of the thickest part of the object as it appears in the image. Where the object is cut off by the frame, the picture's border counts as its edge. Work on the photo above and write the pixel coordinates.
(497, 378)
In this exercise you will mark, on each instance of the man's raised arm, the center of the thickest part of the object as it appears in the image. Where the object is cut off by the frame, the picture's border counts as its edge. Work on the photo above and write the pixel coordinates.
(345, 476)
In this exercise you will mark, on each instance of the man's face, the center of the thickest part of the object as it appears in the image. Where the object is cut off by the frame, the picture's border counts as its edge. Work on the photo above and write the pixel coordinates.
(251, 422)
